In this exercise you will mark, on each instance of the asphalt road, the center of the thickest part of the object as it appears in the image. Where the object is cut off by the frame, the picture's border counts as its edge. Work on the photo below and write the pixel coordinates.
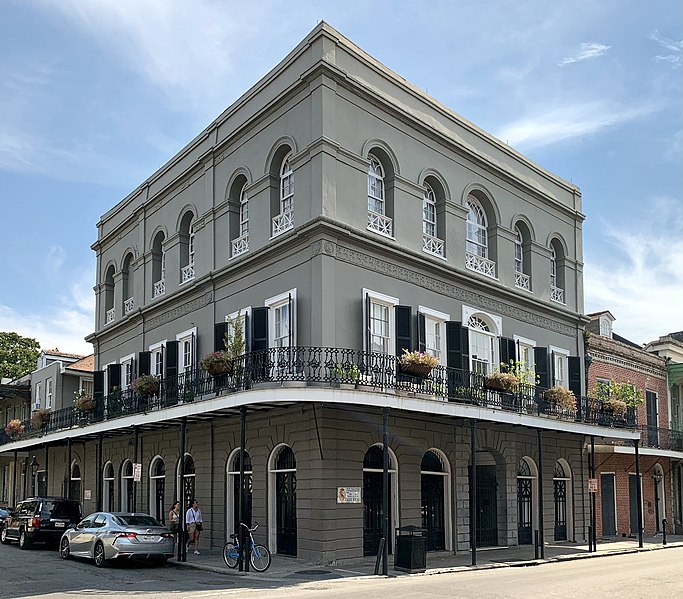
(42, 573)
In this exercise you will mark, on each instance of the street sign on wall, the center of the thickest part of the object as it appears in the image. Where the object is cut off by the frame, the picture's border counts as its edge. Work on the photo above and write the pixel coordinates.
(137, 472)
(592, 485)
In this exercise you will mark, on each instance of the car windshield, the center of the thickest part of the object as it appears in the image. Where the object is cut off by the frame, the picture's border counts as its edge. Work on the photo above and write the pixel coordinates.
(62, 509)
(3, 513)
(141, 520)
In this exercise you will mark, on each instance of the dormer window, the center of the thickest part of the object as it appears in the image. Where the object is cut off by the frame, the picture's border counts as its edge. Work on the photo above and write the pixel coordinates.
(605, 327)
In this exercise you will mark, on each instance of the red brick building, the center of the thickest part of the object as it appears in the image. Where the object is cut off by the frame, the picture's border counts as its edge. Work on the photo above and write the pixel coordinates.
(616, 358)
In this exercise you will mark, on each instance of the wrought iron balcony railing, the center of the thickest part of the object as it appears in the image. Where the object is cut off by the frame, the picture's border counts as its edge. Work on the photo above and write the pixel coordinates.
(330, 367)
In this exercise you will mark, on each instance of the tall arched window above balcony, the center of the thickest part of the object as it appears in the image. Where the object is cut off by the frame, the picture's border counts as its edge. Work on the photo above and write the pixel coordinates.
(128, 286)
(284, 219)
(522, 259)
(238, 202)
(187, 248)
(109, 312)
(557, 288)
(158, 266)
(376, 186)
(380, 205)
(477, 245)
(433, 224)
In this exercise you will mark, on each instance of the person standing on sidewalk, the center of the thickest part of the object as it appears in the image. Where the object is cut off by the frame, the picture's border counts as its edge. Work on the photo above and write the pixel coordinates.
(194, 522)
(174, 519)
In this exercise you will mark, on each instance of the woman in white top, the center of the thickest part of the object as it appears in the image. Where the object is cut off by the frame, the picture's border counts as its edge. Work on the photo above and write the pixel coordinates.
(193, 520)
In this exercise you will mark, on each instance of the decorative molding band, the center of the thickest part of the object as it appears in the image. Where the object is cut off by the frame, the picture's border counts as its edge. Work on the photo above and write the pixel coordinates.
(659, 373)
(470, 297)
(191, 306)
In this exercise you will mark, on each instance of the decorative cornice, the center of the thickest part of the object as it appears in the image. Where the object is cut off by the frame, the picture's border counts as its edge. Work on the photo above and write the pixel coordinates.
(171, 315)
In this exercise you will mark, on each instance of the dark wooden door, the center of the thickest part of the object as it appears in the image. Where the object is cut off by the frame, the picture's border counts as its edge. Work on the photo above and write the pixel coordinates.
(560, 497)
(159, 498)
(609, 522)
(373, 512)
(286, 513)
(487, 507)
(433, 511)
(633, 503)
(524, 502)
(652, 423)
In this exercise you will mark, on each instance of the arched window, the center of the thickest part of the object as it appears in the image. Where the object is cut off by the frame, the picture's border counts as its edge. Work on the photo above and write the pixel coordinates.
(483, 346)
(127, 284)
(282, 508)
(435, 495)
(187, 248)
(109, 312)
(373, 498)
(127, 487)
(158, 266)
(557, 287)
(522, 278)
(526, 500)
(561, 487)
(157, 489)
(432, 243)
(188, 482)
(75, 482)
(108, 495)
(477, 246)
(232, 516)
(285, 219)
(376, 186)
(244, 212)
(429, 211)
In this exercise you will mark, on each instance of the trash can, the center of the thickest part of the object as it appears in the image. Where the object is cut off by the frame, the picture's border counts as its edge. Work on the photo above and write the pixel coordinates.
(411, 549)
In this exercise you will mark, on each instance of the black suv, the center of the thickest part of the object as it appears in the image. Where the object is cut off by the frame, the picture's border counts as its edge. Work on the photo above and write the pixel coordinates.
(40, 520)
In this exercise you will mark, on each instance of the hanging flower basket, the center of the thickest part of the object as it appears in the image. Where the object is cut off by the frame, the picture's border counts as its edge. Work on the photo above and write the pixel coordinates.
(14, 428)
(416, 363)
(501, 381)
(561, 397)
(40, 418)
(146, 385)
(83, 401)
(217, 363)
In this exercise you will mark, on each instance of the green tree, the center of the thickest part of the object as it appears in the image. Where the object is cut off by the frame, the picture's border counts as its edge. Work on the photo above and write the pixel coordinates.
(18, 355)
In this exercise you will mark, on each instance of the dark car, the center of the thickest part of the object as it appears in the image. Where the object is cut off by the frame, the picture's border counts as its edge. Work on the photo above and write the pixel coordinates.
(40, 520)
(4, 514)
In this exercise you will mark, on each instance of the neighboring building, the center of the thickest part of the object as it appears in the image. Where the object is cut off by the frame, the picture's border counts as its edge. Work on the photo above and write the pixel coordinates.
(618, 359)
(58, 377)
(341, 216)
(15, 404)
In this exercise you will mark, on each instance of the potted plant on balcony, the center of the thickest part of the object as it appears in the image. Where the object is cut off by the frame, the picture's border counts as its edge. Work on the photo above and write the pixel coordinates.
(417, 363)
(14, 428)
(40, 418)
(561, 398)
(83, 401)
(222, 362)
(501, 381)
(146, 385)
(344, 373)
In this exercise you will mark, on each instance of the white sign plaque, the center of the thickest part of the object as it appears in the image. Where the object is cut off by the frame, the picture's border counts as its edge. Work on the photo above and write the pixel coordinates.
(348, 494)
(137, 472)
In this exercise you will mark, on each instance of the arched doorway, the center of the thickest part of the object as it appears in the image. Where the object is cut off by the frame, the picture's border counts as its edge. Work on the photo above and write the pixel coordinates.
(232, 491)
(75, 481)
(561, 495)
(490, 467)
(435, 499)
(109, 483)
(127, 486)
(157, 489)
(373, 499)
(282, 466)
(187, 484)
(526, 485)
(660, 506)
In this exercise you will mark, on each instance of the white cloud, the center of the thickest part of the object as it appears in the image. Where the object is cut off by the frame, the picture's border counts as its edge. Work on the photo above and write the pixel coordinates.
(668, 43)
(569, 121)
(55, 258)
(586, 51)
(637, 276)
(674, 61)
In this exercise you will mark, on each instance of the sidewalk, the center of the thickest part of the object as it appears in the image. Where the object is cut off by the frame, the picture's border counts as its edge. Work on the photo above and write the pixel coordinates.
(287, 569)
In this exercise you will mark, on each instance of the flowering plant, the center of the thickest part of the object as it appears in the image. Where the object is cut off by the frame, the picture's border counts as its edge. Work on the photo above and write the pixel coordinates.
(561, 397)
(14, 428)
(616, 407)
(83, 400)
(40, 418)
(501, 381)
(146, 385)
(417, 363)
(217, 363)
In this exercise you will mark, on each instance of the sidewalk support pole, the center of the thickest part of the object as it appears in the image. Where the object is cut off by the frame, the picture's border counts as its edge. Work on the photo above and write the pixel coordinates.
(639, 496)
(473, 491)
(182, 533)
(594, 524)
(541, 535)
(664, 531)
(536, 544)
(98, 477)
(385, 497)
(47, 469)
(68, 468)
(240, 496)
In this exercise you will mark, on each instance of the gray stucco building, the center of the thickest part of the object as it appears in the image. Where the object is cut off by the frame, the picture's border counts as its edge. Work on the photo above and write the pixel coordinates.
(340, 215)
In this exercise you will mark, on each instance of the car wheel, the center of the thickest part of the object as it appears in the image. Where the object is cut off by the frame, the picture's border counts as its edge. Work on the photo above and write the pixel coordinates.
(3, 537)
(98, 555)
(24, 541)
(64, 549)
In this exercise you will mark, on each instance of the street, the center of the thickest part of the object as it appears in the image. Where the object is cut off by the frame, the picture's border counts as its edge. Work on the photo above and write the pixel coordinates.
(42, 573)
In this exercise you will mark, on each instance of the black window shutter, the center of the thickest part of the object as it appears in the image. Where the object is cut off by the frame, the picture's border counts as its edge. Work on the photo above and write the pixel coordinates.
(541, 361)
(574, 367)
(219, 331)
(507, 350)
(171, 365)
(144, 361)
(457, 346)
(98, 384)
(113, 376)
(368, 325)
(259, 329)
(290, 313)
(403, 316)
(247, 332)
(421, 332)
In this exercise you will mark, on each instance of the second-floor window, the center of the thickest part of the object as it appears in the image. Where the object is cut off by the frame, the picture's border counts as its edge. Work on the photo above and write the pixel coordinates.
(483, 346)
(38, 401)
(186, 350)
(477, 240)
(48, 394)
(376, 187)
(285, 220)
(126, 371)
(560, 367)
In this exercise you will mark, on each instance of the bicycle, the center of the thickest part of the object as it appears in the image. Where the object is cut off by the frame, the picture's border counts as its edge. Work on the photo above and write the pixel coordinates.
(259, 556)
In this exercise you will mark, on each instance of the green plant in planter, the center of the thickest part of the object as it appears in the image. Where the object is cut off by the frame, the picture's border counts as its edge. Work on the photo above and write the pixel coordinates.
(146, 385)
(624, 392)
(561, 397)
(346, 372)
(616, 407)
(40, 418)
(83, 400)
(222, 362)
(501, 381)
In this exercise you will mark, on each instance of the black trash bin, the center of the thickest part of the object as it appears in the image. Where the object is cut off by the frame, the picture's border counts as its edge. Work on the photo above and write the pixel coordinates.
(411, 549)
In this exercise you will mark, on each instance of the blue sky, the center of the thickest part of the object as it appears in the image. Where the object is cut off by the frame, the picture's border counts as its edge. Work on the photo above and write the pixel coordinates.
(97, 94)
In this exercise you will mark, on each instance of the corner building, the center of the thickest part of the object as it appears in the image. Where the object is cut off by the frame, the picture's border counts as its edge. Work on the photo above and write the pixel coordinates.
(341, 215)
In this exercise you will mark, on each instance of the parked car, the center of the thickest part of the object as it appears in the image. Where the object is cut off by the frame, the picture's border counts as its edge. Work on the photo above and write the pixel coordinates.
(4, 514)
(104, 536)
(40, 520)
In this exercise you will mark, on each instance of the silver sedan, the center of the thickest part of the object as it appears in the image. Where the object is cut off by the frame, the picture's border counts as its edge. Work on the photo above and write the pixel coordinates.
(117, 535)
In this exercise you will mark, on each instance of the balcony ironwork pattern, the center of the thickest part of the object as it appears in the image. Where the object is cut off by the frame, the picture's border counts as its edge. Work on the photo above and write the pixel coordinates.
(523, 281)
(556, 294)
(186, 273)
(433, 245)
(240, 245)
(319, 366)
(283, 222)
(159, 288)
(656, 438)
(110, 316)
(380, 223)
(480, 264)
(128, 305)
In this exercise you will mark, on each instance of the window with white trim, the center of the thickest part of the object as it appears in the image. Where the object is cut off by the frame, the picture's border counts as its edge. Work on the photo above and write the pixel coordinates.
(477, 237)
(376, 199)
(519, 252)
(483, 346)
(525, 356)
(38, 401)
(379, 322)
(240, 317)
(156, 359)
(435, 332)
(186, 349)
(127, 371)
(605, 327)
(244, 212)
(286, 186)
(87, 386)
(560, 366)
(282, 319)
(48, 394)
(191, 245)
(429, 211)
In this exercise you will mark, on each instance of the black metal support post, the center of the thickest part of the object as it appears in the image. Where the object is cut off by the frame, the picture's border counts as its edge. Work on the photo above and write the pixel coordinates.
(385, 493)
(473, 491)
(594, 516)
(664, 523)
(541, 536)
(98, 475)
(536, 544)
(47, 465)
(136, 447)
(182, 531)
(14, 480)
(639, 497)
(240, 496)
(68, 469)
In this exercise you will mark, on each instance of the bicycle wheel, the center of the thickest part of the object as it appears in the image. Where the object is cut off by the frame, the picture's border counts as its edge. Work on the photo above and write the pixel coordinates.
(260, 558)
(231, 554)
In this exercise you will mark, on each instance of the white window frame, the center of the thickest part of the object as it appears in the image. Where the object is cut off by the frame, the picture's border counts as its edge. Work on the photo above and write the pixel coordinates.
(154, 349)
(429, 224)
(434, 316)
(476, 234)
(275, 302)
(560, 356)
(244, 213)
(495, 324)
(87, 385)
(38, 401)
(48, 393)
(127, 370)
(605, 327)
(191, 336)
(388, 301)
(377, 202)
(242, 313)
(522, 343)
